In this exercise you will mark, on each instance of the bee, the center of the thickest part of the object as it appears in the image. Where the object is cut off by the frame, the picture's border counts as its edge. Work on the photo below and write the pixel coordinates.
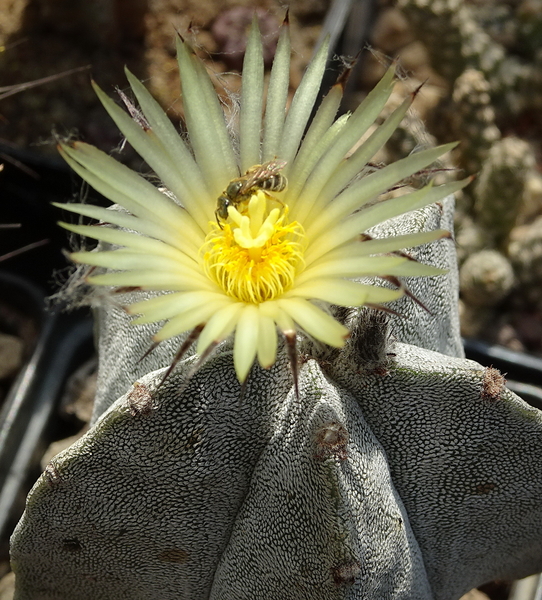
(266, 177)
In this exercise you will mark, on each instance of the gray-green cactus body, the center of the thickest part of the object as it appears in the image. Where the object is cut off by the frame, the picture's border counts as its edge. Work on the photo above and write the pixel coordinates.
(400, 473)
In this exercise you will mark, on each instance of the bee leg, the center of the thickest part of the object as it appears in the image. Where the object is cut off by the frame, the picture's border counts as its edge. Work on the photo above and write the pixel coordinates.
(218, 220)
(272, 197)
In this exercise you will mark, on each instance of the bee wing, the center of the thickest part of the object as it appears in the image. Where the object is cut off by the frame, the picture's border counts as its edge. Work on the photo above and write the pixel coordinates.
(275, 165)
(259, 173)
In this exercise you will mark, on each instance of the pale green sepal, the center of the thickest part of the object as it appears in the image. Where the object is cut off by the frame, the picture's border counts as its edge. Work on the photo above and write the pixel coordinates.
(362, 191)
(343, 292)
(315, 321)
(320, 135)
(173, 143)
(169, 305)
(350, 167)
(125, 187)
(149, 146)
(277, 96)
(123, 260)
(267, 342)
(302, 103)
(411, 268)
(360, 121)
(246, 341)
(205, 123)
(352, 267)
(151, 279)
(250, 118)
(133, 241)
(199, 315)
(126, 221)
(368, 247)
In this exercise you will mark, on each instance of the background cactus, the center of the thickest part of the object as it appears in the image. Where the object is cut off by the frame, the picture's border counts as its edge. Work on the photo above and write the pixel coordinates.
(500, 189)
(481, 64)
(486, 278)
(382, 483)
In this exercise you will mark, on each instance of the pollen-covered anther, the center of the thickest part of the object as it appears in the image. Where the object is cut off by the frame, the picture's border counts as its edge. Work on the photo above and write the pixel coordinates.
(258, 256)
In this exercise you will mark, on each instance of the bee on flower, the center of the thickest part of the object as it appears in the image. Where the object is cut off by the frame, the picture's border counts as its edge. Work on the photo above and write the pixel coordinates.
(253, 244)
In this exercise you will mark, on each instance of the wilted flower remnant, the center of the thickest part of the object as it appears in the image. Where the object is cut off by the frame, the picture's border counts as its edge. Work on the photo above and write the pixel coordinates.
(259, 243)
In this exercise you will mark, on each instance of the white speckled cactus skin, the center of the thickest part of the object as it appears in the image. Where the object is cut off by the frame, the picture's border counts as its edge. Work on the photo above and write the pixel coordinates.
(412, 476)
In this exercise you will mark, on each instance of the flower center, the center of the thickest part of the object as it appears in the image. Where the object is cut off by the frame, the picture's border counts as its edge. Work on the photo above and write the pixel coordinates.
(257, 257)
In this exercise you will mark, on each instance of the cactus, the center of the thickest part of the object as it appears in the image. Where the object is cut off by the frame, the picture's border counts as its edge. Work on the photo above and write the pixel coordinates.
(526, 257)
(501, 187)
(489, 56)
(485, 278)
(456, 42)
(377, 466)
(382, 483)
(473, 119)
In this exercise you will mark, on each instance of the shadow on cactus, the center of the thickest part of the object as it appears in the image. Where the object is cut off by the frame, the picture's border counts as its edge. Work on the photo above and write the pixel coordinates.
(384, 470)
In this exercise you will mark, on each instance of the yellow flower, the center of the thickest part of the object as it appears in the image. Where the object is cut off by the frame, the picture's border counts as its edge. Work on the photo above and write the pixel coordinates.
(260, 241)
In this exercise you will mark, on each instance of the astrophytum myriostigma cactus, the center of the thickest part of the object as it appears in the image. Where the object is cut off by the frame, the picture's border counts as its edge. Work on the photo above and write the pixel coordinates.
(388, 467)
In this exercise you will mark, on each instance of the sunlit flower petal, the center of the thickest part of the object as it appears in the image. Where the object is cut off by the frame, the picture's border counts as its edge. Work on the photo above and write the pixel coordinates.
(260, 244)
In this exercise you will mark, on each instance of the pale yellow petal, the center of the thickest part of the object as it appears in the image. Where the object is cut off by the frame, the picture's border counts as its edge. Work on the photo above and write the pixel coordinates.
(123, 260)
(267, 341)
(246, 341)
(190, 319)
(152, 279)
(220, 325)
(360, 192)
(315, 321)
(352, 267)
(358, 248)
(342, 292)
(284, 322)
(133, 241)
(170, 305)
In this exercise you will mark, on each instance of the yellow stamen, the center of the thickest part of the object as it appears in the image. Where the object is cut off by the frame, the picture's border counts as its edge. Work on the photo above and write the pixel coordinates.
(258, 257)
